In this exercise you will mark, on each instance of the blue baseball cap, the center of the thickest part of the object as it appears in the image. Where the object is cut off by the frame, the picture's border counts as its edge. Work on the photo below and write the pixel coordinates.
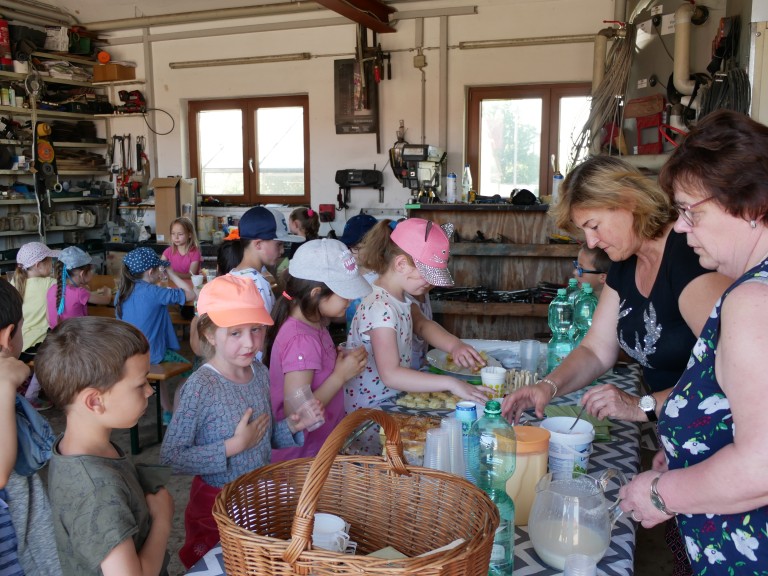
(139, 260)
(357, 227)
(260, 223)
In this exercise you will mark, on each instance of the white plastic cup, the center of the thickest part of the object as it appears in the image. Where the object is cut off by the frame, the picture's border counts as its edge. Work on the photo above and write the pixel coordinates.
(579, 565)
(529, 355)
(436, 450)
(455, 445)
(494, 377)
(569, 450)
(197, 280)
(330, 532)
(300, 402)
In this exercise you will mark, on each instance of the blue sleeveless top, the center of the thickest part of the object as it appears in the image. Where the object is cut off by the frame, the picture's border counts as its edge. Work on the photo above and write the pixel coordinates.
(696, 422)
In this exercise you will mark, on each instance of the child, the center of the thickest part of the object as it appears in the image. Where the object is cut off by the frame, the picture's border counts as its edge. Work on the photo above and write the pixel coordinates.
(184, 256)
(303, 222)
(223, 426)
(141, 302)
(354, 231)
(410, 257)
(32, 279)
(26, 527)
(95, 369)
(320, 281)
(592, 265)
(262, 233)
(70, 296)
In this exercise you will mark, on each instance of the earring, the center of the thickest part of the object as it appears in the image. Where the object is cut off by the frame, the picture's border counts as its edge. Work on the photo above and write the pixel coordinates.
(753, 224)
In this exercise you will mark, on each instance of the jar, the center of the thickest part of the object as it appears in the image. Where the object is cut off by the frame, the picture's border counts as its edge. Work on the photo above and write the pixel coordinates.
(531, 466)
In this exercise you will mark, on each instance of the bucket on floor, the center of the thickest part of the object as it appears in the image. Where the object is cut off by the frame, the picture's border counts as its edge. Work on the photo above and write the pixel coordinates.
(569, 451)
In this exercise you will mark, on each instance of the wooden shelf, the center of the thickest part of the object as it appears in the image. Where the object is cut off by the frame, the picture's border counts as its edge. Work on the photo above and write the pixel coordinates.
(6, 142)
(19, 233)
(22, 76)
(47, 113)
(67, 228)
(75, 199)
(65, 57)
(518, 250)
(102, 172)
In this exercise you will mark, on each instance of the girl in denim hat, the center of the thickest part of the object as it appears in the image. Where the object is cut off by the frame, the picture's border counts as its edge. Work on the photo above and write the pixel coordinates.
(410, 257)
(70, 296)
(141, 302)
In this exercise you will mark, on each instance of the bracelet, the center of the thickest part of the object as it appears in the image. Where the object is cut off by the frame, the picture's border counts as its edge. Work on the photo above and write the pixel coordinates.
(548, 381)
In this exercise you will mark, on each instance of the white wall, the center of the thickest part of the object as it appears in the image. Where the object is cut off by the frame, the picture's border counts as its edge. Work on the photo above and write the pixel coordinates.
(399, 98)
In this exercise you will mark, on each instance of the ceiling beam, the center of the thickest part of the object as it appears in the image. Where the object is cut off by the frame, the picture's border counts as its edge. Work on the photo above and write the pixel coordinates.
(372, 14)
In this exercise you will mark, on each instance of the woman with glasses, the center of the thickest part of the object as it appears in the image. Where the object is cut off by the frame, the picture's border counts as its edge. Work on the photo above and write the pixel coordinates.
(656, 299)
(713, 474)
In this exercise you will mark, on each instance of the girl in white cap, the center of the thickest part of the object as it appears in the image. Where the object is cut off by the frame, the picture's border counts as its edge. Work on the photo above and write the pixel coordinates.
(70, 296)
(410, 257)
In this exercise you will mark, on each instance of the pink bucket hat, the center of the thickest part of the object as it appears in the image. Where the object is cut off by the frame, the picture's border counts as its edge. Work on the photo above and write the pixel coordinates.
(429, 246)
(34, 252)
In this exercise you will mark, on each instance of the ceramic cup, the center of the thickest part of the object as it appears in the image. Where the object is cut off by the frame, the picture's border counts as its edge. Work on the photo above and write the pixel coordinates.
(197, 280)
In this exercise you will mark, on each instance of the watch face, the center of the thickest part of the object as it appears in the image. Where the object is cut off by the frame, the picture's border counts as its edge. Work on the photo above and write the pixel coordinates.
(647, 403)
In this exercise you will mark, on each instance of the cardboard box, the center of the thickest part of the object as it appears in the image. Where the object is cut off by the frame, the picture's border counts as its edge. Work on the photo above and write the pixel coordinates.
(113, 71)
(170, 195)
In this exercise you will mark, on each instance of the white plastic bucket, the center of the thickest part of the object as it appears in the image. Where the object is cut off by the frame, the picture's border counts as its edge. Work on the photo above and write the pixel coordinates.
(569, 451)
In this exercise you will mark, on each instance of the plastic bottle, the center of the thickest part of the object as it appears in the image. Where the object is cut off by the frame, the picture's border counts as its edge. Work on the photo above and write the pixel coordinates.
(557, 179)
(492, 454)
(583, 310)
(560, 318)
(450, 188)
(466, 183)
(572, 290)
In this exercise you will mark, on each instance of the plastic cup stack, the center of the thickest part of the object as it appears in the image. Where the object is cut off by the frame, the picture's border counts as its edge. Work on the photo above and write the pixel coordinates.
(455, 445)
(579, 565)
(436, 450)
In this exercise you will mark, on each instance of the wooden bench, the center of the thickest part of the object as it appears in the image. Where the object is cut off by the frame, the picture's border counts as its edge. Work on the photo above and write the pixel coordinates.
(158, 373)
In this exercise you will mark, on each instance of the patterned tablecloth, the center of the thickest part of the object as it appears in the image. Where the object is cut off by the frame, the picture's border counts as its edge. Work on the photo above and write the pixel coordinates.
(622, 453)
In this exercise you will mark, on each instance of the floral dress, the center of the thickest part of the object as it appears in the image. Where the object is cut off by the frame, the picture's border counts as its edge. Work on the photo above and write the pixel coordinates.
(695, 423)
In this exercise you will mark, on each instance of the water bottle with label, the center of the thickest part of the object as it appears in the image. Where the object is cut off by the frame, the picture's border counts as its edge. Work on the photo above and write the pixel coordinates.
(450, 188)
(466, 183)
(492, 455)
(560, 318)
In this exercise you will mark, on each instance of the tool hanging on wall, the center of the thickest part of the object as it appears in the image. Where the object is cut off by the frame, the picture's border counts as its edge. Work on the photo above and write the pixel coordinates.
(369, 58)
(45, 169)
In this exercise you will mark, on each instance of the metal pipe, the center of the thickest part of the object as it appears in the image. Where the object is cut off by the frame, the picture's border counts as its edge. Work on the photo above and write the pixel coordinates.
(49, 13)
(682, 66)
(534, 41)
(620, 10)
(241, 60)
(598, 58)
(33, 19)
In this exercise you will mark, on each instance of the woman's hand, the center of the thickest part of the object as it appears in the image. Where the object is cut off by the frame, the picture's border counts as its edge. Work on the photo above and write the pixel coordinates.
(607, 401)
(466, 356)
(536, 396)
(636, 501)
(350, 362)
(467, 391)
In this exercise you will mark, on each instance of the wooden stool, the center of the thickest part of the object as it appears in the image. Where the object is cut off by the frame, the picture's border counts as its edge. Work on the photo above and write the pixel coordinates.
(158, 373)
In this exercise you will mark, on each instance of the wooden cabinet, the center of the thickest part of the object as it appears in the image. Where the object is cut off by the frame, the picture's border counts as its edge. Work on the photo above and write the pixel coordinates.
(516, 256)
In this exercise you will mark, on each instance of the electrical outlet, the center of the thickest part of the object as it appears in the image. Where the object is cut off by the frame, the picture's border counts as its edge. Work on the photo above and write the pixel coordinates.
(327, 212)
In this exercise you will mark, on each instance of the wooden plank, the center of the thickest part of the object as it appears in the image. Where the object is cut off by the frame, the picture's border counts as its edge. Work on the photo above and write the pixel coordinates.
(453, 308)
(357, 15)
(517, 250)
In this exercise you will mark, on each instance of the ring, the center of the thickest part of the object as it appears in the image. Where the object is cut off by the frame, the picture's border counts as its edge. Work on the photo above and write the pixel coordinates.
(635, 518)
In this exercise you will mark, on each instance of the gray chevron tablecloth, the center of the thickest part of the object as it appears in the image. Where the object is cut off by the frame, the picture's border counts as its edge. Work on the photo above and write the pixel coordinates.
(622, 453)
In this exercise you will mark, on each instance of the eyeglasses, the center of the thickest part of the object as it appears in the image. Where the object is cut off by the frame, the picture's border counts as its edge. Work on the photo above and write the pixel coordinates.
(686, 211)
(581, 271)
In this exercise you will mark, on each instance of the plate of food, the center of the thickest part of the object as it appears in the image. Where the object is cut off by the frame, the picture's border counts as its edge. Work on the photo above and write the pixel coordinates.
(443, 363)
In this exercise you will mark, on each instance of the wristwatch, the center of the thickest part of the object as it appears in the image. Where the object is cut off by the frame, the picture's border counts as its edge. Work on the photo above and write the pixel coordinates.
(656, 498)
(648, 405)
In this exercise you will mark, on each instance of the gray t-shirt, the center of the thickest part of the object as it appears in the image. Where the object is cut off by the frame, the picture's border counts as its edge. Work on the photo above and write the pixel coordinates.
(97, 503)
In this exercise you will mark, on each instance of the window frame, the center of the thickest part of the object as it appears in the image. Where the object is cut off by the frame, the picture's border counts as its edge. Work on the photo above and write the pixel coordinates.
(550, 95)
(248, 107)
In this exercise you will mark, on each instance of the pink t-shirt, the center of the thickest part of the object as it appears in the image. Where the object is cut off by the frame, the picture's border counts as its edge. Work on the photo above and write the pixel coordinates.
(297, 347)
(75, 303)
(182, 262)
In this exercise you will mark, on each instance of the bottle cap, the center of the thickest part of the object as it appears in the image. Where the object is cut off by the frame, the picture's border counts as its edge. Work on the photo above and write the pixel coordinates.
(493, 407)
(561, 291)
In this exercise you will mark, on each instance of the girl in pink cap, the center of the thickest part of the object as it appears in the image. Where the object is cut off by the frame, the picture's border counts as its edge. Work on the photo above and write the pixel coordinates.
(410, 257)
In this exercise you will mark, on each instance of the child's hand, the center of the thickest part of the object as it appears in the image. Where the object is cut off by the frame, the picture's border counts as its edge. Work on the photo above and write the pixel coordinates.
(350, 362)
(466, 356)
(467, 391)
(14, 373)
(104, 291)
(160, 506)
(305, 418)
(248, 434)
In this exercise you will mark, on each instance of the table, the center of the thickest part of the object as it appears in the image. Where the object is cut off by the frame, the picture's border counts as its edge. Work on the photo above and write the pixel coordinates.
(622, 453)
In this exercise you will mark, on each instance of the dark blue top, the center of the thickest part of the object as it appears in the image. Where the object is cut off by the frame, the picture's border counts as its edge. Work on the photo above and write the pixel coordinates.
(652, 330)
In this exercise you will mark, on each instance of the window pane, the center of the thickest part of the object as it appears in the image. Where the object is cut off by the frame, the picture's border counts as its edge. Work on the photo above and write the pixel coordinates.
(574, 111)
(280, 142)
(220, 145)
(510, 145)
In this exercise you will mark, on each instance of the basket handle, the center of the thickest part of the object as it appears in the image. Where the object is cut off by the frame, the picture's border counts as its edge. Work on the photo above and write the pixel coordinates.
(304, 519)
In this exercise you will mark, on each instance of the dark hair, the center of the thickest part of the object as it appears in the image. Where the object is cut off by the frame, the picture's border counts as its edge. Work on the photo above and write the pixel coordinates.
(308, 223)
(725, 156)
(125, 288)
(377, 249)
(10, 306)
(86, 352)
(229, 256)
(600, 259)
(58, 273)
(300, 292)
(609, 183)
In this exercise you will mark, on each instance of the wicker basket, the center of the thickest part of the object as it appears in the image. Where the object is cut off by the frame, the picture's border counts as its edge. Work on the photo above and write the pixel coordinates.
(413, 509)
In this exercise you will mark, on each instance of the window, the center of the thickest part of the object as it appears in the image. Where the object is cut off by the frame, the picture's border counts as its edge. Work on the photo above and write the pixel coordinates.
(513, 131)
(251, 151)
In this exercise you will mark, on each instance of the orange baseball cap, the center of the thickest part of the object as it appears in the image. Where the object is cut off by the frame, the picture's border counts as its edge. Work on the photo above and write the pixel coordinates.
(231, 301)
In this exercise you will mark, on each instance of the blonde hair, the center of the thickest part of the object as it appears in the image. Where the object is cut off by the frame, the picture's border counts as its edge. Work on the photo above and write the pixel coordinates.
(189, 228)
(609, 183)
(377, 250)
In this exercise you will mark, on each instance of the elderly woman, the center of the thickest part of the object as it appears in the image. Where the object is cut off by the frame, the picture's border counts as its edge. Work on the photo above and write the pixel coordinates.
(656, 299)
(713, 426)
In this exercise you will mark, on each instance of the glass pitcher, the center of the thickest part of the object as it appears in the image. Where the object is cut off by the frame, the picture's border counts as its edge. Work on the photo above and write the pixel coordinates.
(573, 516)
